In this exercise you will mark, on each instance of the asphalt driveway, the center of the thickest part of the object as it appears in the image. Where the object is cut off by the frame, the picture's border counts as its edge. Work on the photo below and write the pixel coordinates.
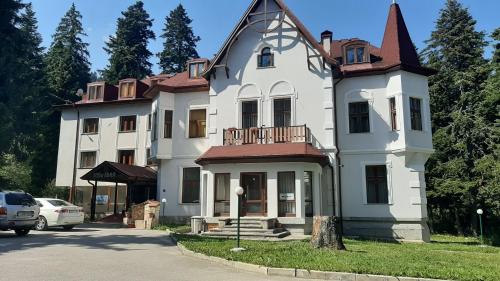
(90, 253)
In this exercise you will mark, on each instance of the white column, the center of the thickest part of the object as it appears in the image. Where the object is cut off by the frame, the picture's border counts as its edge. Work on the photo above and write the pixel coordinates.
(300, 208)
(233, 203)
(272, 194)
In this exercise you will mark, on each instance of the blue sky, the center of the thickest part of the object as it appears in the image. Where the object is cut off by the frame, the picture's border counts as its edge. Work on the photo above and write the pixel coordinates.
(213, 20)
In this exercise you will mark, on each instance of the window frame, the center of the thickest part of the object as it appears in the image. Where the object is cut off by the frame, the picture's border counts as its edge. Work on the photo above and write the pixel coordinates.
(274, 112)
(358, 115)
(260, 56)
(84, 132)
(413, 112)
(118, 155)
(393, 113)
(120, 124)
(182, 184)
(188, 130)
(168, 134)
(294, 201)
(80, 164)
(388, 168)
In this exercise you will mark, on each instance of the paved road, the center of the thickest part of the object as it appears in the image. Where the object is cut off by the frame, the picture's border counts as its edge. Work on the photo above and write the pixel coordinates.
(106, 254)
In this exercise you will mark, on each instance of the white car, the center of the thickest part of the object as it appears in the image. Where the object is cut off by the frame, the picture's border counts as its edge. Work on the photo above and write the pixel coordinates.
(57, 212)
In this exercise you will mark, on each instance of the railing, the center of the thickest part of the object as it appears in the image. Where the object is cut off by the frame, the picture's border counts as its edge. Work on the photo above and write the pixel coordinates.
(267, 135)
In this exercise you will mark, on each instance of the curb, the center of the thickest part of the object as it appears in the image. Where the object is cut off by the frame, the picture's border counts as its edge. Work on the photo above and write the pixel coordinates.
(297, 273)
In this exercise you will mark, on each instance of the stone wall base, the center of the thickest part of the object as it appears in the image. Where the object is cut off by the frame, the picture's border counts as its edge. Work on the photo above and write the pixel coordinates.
(392, 230)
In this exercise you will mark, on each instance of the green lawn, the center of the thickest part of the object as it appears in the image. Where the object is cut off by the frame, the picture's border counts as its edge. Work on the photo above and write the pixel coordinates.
(447, 257)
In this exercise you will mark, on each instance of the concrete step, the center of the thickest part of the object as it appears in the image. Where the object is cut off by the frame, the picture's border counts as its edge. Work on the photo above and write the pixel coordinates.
(235, 230)
(262, 235)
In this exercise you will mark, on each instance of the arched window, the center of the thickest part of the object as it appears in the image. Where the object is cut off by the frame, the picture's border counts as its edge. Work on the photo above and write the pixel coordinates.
(266, 58)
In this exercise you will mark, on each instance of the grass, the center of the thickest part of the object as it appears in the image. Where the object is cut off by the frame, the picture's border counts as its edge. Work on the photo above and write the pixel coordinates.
(178, 228)
(447, 257)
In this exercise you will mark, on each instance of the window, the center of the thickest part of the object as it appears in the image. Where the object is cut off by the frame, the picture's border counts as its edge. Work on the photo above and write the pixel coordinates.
(359, 120)
(416, 114)
(95, 92)
(91, 126)
(127, 123)
(191, 185)
(127, 89)
(392, 108)
(87, 159)
(376, 185)
(167, 128)
(197, 123)
(249, 114)
(149, 122)
(355, 55)
(286, 194)
(222, 194)
(126, 157)
(196, 69)
(154, 128)
(282, 112)
(266, 58)
(308, 188)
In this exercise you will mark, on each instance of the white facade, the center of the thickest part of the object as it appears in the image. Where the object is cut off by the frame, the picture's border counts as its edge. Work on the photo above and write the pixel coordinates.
(317, 96)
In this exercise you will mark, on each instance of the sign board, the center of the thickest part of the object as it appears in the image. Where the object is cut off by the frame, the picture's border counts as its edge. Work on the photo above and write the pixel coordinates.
(287, 196)
(101, 199)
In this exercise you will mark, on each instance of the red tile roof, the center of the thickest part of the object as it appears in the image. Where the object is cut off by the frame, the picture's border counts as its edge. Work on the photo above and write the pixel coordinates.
(257, 153)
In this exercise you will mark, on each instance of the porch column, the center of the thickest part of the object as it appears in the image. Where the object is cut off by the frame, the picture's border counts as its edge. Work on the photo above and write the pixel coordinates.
(233, 203)
(300, 207)
(272, 194)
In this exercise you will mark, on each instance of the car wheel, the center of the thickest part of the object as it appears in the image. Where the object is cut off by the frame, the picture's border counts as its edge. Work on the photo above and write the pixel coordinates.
(22, 232)
(41, 224)
(68, 227)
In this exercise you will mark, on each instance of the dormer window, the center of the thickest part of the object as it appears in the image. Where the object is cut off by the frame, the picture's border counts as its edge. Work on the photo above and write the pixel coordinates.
(95, 92)
(127, 89)
(266, 58)
(355, 54)
(196, 69)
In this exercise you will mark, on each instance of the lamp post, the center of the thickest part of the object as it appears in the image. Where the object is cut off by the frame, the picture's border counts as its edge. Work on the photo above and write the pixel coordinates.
(239, 192)
(164, 203)
(480, 214)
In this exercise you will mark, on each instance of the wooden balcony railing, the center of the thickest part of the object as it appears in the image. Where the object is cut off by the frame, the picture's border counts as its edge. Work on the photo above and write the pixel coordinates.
(267, 135)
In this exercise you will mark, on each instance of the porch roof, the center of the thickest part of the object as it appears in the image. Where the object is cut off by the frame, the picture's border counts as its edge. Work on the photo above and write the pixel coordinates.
(121, 173)
(262, 153)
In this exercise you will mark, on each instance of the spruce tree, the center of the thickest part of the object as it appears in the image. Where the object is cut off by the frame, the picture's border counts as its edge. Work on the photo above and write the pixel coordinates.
(68, 67)
(180, 42)
(128, 48)
(460, 137)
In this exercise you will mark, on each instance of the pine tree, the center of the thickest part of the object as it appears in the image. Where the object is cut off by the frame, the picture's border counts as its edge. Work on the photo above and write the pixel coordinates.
(128, 50)
(68, 67)
(460, 136)
(180, 42)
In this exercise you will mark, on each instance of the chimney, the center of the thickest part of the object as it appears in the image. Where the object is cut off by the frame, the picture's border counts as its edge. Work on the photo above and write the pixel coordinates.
(326, 40)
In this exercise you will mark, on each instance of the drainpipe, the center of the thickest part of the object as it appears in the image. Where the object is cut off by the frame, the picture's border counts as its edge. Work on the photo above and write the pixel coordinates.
(337, 156)
(72, 192)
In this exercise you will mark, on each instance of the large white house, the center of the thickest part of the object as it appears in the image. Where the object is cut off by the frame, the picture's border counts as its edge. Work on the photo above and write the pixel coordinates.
(335, 127)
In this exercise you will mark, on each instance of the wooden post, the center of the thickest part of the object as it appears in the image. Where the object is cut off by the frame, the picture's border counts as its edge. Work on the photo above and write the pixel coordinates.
(326, 233)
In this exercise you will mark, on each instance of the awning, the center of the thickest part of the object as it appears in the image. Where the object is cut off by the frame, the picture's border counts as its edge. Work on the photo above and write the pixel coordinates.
(121, 173)
(263, 153)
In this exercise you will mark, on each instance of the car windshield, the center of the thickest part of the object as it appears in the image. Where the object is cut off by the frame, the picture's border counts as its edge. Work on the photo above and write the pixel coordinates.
(14, 198)
(59, 203)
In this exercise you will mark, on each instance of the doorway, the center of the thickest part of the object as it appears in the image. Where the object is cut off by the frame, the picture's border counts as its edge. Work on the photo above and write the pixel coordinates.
(254, 200)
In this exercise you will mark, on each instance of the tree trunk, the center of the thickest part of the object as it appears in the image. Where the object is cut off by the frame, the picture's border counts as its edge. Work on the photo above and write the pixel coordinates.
(326, 233)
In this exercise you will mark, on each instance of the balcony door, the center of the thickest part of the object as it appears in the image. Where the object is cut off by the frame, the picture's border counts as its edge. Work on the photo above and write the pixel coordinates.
(254, 200)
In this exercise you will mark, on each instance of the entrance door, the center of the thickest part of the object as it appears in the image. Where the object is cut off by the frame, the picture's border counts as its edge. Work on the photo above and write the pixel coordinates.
(254, 200)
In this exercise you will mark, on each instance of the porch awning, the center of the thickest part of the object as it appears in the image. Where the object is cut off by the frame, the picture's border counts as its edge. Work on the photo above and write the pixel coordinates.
(121, 173)
(262, 153)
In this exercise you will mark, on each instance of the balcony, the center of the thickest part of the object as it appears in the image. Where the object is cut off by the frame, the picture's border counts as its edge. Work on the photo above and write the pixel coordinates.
(267, 135)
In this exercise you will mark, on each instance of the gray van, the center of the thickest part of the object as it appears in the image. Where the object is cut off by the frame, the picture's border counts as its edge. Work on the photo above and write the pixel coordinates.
(18, 212)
